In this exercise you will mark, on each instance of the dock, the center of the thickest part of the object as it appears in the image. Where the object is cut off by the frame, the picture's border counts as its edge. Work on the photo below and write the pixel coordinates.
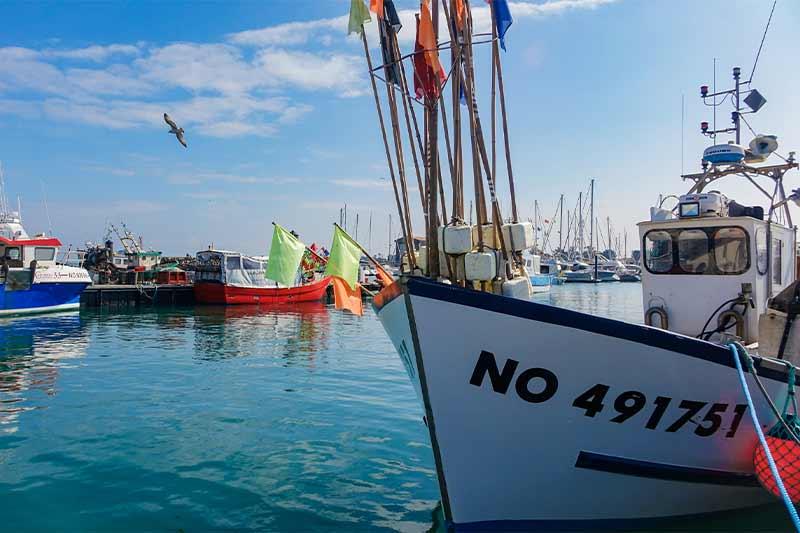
(137, 295)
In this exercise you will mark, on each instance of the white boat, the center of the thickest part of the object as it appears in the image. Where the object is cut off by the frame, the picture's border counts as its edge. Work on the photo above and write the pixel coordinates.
(541, 417)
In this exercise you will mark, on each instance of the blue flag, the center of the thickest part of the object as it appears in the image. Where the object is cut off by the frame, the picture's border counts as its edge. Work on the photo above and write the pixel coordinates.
(502, 20)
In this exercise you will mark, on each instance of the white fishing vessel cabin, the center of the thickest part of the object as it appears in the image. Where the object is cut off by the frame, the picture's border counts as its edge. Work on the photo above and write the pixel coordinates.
(695, 263)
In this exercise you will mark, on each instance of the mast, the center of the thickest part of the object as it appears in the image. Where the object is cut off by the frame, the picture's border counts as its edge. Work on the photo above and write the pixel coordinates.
(591, 218)
(580, 224)
(561, 223)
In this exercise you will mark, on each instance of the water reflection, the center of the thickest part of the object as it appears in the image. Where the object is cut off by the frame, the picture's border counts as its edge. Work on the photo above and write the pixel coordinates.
(295, 333)
(32, 352)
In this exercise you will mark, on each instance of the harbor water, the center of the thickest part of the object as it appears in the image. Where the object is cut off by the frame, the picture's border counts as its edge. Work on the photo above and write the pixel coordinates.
(298, 418)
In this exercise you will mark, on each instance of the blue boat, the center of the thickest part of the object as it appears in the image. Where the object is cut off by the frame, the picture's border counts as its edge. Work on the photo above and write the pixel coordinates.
(31, 281)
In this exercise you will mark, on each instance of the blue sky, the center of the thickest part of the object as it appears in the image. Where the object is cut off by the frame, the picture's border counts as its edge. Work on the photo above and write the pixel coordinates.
(281, 124)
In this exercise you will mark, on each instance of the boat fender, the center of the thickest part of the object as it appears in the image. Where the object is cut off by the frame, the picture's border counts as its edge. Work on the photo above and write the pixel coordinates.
(725, 316)
(662, 315)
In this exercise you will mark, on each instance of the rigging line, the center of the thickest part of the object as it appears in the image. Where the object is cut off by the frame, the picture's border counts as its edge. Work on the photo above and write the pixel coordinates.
(763, 38)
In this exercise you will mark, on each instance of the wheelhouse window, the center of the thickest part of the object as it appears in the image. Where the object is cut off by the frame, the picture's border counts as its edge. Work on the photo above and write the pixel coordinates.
(693, 256)
(13, 254)
(707, 251)
(658, 251)
(730, 250)
(44, 254)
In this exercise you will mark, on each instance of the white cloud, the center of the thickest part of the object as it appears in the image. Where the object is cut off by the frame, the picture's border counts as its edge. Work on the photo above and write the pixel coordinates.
(95, 52)
(235, 88)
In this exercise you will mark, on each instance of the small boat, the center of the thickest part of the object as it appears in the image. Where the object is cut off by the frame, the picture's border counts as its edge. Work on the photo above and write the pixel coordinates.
(630, 274)
(226, 277)
(539, 282)
(31, 281)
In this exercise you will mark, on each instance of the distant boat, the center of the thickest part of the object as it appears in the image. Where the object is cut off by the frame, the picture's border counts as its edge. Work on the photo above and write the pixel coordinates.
(539, 282)
(226, 277)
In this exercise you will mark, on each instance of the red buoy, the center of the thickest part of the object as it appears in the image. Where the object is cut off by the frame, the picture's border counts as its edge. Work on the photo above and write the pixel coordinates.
(786, 454)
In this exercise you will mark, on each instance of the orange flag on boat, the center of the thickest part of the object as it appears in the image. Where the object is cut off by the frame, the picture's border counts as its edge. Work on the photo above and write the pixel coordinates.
(384, 277)
(346, 298)
(427, 81)
(376, 6)
(461, 13)
(427, 37)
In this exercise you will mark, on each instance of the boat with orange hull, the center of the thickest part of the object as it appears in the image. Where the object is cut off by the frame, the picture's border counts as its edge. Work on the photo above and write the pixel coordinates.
(230, 278)
(209, 292)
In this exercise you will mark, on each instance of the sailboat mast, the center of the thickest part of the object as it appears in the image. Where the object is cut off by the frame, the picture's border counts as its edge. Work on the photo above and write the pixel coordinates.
(580, 223)
(561, 223)
(591, 218)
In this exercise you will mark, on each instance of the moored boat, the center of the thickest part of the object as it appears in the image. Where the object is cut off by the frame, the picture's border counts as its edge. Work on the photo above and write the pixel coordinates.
(230, 278)
(541, 417)
(31, 281)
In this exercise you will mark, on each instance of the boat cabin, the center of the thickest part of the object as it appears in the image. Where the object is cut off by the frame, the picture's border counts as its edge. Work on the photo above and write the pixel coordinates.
(28, 253)
(705, 268)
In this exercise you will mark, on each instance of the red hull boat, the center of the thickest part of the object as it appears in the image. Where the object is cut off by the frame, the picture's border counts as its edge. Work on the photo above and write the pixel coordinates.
(209, 292)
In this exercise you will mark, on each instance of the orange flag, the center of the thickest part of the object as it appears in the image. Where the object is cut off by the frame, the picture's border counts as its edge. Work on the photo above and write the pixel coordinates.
(347, 298)
(376, 6)
(427, 37)
(460, 13)
(384, 277)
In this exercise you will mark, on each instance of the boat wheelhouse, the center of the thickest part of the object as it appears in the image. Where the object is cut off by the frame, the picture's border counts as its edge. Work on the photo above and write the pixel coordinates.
(693, 265)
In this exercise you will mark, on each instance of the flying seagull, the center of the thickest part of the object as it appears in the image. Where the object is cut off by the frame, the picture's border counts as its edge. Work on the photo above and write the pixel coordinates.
(175, 130)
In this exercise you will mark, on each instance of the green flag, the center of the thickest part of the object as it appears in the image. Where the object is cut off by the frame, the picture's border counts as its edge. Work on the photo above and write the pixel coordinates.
(359, 14)
(285, 255)
(344, 258)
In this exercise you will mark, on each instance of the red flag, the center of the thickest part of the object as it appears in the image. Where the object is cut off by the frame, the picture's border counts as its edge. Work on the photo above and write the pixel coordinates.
(426, 81)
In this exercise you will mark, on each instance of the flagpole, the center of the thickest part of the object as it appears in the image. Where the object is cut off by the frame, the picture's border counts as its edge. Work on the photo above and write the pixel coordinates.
(496, 53)
(411, 260)
(409, 109)
(433, 158)
(458, 164)
(398, 146)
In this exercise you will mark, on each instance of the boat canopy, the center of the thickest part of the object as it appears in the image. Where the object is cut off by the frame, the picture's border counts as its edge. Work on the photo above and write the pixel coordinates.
(233, 268)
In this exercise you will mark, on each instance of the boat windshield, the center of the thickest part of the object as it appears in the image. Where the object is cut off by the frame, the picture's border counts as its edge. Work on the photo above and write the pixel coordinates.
(712, 251)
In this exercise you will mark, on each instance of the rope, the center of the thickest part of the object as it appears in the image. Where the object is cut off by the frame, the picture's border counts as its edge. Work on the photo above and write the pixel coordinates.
(763, 440)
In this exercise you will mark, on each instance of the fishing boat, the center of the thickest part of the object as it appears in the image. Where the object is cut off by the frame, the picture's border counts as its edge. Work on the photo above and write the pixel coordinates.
(230, 278)
(31, 280)
(546, 418)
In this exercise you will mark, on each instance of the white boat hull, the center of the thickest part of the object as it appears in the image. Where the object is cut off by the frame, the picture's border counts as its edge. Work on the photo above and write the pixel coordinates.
(513, 442)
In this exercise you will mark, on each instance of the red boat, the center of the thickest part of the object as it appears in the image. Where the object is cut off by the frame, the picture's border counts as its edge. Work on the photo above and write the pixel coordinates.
(223, 277)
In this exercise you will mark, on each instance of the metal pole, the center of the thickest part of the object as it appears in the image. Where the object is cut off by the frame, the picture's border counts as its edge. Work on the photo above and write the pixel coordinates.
(737, 122)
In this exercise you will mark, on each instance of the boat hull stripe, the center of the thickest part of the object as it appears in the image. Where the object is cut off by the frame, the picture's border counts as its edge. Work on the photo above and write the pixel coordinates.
(687, 474)
(549, 314)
